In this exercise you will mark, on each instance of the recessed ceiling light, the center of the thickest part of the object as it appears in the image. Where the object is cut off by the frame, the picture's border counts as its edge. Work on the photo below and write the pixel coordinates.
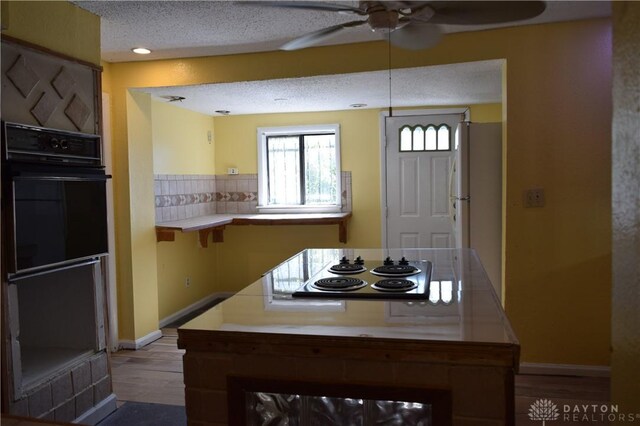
(358, 105)
(141, 51)
(223, 112)
(280, 99)
(173, 98)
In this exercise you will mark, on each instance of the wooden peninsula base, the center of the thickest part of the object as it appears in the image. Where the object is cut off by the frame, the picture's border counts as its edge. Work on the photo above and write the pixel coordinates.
(445, 361)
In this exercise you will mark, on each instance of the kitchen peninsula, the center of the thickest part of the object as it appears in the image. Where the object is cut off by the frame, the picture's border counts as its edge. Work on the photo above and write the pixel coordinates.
(448, 358)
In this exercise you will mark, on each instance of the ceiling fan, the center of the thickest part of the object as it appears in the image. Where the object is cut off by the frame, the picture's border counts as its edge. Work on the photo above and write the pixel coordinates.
(409, 24)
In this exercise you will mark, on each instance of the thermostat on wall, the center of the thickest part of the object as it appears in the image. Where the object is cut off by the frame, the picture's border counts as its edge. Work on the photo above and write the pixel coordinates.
(232, 171)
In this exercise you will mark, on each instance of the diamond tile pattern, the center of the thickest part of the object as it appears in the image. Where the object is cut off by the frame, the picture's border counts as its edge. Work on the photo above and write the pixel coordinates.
(63, 82)
(22, 76)
(77, 111)
(44, 107)
(43, 89)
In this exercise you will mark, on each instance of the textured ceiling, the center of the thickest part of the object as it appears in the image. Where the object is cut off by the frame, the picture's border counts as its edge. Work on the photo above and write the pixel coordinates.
(178, 29)
(472, 83)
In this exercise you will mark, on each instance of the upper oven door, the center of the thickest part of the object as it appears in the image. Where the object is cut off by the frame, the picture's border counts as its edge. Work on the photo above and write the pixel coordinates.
(58, 217)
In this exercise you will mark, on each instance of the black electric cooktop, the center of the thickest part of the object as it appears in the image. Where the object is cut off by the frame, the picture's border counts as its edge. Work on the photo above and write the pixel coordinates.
(370, 279)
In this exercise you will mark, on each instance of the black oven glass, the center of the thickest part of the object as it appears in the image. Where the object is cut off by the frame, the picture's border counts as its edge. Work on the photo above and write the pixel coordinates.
(58, 220)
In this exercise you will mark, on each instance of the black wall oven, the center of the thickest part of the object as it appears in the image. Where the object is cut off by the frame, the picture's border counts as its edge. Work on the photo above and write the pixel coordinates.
(55, 198)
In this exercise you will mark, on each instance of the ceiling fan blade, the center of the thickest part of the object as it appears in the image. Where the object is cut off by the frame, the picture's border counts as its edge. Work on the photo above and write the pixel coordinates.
(308, 5)
(416, 36)
(484, 12)
(316, 37)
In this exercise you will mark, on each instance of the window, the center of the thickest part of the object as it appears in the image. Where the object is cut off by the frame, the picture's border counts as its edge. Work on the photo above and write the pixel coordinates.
(299, 168)
(425, 138)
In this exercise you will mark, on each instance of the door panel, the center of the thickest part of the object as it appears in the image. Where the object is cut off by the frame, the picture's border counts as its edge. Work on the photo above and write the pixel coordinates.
(410, 240)
(417, 182)
(440, 167)
(409, 187)
(441, 240)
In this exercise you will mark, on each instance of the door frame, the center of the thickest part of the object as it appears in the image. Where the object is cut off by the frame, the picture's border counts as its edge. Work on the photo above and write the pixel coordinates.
(383, 152)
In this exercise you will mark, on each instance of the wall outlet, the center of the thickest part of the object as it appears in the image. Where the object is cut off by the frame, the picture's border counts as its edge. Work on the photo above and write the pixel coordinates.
(232, 171)
(534, 197)
(187, 281)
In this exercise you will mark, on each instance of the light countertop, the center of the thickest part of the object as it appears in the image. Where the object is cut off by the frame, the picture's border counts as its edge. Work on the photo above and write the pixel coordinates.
(463, 306)
(214, 220)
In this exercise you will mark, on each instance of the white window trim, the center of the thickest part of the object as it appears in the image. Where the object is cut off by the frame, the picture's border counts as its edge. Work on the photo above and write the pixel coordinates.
(262, 134)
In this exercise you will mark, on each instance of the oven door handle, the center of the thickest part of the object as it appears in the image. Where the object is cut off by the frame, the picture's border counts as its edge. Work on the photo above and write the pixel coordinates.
(22, 276)
(65, 177)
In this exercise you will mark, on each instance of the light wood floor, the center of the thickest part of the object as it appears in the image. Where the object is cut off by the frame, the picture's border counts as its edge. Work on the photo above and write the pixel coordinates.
(154, 374)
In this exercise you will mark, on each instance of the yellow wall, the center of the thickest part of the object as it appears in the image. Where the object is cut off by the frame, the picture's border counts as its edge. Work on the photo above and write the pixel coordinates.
(180, 143)
(558, 109)
(56, 25)
(106, 76)
(178, 260)
(140, 280)
(181, 146)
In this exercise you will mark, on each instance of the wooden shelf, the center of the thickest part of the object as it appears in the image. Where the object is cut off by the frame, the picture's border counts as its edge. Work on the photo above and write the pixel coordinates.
(215, 224)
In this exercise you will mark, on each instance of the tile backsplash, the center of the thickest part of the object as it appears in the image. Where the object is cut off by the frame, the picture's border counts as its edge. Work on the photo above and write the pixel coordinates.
(180, 197)
(237, 193)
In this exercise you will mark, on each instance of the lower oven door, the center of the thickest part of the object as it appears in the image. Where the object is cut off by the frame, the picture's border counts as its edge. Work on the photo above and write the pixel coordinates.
(56, 320)
(56, 218)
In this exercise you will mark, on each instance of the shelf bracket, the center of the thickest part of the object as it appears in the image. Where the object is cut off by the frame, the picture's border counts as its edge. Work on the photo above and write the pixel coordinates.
(165, 235)
(217, 235)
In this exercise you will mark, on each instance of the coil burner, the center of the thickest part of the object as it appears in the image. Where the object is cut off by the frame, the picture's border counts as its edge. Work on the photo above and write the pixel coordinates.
(394, 285)
(391, 269)
(339, 283)
(346, 268)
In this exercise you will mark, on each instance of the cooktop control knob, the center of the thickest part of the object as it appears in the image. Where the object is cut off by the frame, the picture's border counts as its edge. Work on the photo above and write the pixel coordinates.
(403, 261)
(358, 261)
(344, 260)
(54, 143)
(388, 261)
(64, 144)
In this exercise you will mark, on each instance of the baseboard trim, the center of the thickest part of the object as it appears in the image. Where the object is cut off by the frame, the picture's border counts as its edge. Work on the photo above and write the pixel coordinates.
(96, 414)
(194, 306)
(143, 341)
(565, 369)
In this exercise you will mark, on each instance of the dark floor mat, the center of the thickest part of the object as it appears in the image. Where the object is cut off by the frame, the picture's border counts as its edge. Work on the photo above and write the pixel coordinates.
(145, 414)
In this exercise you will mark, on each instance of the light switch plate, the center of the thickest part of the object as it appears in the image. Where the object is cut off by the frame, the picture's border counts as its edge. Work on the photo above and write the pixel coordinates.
(534, 197)
(232, 171)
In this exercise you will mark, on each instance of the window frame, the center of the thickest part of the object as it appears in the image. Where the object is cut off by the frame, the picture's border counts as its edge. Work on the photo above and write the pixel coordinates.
(263, 182)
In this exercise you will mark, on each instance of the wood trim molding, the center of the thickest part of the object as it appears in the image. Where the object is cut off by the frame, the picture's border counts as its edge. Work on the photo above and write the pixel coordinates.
(534, 368)
(143, 341)
(193, 307)
(380, 349)
(41, 49)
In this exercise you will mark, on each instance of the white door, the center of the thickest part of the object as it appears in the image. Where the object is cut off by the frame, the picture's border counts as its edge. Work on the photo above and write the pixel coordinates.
(419, 156)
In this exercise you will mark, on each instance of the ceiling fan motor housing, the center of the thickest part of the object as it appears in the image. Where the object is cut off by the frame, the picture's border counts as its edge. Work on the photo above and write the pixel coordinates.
(380, 19)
